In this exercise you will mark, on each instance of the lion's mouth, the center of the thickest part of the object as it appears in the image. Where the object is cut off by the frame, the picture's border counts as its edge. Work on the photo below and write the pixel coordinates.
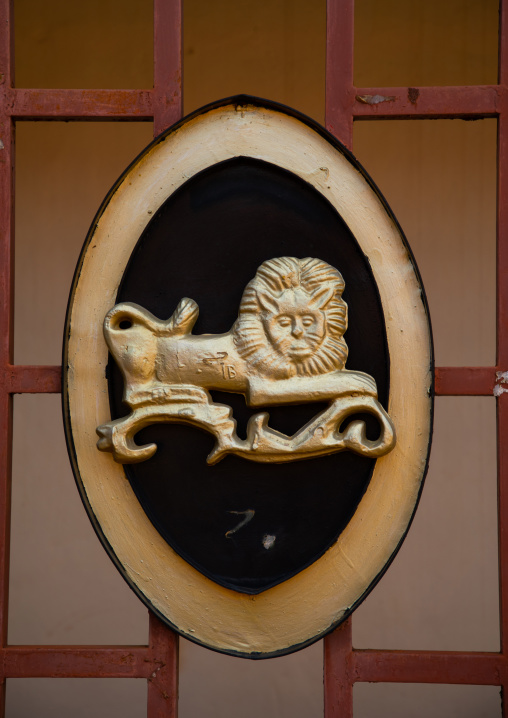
(299, 350)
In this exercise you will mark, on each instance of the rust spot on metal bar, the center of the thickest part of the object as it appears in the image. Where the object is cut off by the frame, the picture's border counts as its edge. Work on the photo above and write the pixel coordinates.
(375, 99)
(128, 658)
(413, 93)
(501, 378)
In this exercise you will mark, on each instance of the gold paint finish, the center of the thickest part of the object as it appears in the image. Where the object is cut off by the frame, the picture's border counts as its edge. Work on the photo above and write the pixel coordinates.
(310, 603)
(286, 347)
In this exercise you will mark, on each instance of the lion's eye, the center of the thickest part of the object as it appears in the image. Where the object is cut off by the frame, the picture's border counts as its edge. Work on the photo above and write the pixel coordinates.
(283, 321)
(307, 321)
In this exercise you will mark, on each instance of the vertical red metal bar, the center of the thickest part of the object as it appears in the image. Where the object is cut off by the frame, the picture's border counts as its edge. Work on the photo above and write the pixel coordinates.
(6, 187)
(340, 94)
(167, 72)
(502, 335)
(338, 678)
(163, 683)
(6, 312)
(338, 646)
(502, 198)
(167, 109)
(502, 362)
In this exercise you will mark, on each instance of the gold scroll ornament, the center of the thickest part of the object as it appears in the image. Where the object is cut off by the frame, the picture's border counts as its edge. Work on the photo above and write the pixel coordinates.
(286, 347)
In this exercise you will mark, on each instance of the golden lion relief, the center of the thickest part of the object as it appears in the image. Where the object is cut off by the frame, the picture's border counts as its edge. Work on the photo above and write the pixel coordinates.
(286, 347)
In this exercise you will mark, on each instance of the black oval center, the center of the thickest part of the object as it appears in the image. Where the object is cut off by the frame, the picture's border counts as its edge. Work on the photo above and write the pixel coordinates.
(247, 526)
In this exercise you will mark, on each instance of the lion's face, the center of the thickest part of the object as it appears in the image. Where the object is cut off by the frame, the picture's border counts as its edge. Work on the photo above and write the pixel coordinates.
(292, 318)
(296, 329)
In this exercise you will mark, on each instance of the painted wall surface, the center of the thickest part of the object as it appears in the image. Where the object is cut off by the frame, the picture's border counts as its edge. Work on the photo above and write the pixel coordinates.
(439, 178)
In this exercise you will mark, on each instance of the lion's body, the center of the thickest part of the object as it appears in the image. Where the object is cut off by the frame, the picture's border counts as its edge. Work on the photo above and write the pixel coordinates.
(287, 341)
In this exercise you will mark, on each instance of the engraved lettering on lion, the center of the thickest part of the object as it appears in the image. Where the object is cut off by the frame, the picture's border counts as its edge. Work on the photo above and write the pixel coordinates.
(286, 347)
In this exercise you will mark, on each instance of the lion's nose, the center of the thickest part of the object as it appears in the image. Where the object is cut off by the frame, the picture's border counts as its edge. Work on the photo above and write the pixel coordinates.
(297, 329)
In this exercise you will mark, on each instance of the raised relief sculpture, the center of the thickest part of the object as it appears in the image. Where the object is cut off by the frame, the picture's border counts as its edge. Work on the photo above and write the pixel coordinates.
(286, 347)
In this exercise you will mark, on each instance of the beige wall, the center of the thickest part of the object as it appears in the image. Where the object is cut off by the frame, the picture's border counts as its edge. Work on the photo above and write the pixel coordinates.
(439, 177)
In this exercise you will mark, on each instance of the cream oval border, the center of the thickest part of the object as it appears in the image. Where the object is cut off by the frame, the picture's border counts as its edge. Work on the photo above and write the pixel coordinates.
(307, 606)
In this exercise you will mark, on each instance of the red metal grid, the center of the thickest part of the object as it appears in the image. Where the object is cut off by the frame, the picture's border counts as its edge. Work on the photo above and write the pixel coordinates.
(157, 662)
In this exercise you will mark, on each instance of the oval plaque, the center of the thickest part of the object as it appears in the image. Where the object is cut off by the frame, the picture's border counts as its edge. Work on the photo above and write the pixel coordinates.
(248, 379)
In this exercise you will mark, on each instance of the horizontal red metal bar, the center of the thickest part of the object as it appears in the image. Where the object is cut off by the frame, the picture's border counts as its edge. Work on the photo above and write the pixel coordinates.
(428, 102)
(368, 103)
(430, 667)
(450, 381)
(33, 379)
(24, 104)
(142, 662)
(79, 661)
(469, 381)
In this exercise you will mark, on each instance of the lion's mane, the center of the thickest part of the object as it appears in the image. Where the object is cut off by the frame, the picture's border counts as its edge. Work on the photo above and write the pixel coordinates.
(274, 277)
